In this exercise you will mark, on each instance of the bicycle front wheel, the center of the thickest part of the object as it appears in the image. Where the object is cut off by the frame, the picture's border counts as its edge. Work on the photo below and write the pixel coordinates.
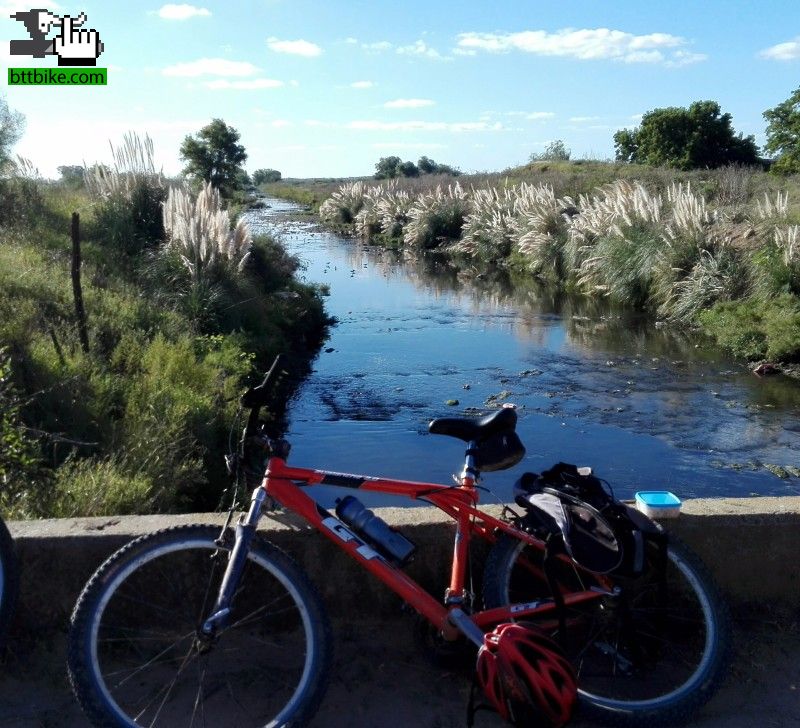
(645, 657)
(137, 658)
(9, 580)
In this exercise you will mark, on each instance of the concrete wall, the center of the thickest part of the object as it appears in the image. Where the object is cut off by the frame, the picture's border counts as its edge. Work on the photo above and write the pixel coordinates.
(752, 546)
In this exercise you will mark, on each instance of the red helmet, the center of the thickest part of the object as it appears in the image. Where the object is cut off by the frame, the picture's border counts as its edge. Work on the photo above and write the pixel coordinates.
(526, 677)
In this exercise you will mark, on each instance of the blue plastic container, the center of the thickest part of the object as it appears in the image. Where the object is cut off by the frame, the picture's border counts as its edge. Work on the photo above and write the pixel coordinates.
(658, 503)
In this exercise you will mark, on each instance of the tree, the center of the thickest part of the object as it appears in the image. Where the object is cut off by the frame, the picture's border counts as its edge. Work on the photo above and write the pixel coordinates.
(555, 151)
(408, 169)
(12, 124)
(391, 167)
(264, 176)
(783, 134)
(388, 168)
(697, 137)
(214, 156)
(428, 166)
(72, 175)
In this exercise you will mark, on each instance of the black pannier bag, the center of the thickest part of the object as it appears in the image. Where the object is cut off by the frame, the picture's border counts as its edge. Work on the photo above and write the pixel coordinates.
(499, 451)
(599, 533)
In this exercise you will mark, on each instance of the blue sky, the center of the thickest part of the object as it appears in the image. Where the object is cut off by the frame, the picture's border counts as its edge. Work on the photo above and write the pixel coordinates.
(327, 88)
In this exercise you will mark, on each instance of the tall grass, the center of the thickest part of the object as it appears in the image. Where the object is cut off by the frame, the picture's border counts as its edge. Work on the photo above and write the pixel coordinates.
(436, 218)
(659, 244)
(128, 196)
(541, 227)
(199, 232)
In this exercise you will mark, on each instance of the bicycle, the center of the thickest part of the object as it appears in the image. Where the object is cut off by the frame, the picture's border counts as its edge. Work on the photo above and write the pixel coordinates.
(9, 580)
(196, 626)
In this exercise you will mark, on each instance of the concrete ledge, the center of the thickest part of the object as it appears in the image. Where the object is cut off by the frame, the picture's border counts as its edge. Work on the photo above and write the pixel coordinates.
(752, 546)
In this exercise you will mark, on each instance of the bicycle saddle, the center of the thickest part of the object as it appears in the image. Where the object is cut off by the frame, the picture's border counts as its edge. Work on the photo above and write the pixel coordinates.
(475, 428)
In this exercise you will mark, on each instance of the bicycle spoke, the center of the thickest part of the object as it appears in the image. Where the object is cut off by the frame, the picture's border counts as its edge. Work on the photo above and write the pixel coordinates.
(168, 689)
(154, 660)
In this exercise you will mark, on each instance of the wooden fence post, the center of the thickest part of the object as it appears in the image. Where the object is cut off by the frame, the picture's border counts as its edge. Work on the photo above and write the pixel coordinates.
(77, 292)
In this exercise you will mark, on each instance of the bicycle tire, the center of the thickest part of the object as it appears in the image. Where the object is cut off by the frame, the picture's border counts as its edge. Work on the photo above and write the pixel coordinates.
(631, 671)
(134, 657)
(9, 581)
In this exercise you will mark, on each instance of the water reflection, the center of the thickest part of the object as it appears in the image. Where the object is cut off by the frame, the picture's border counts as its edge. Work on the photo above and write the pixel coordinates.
(647, 406)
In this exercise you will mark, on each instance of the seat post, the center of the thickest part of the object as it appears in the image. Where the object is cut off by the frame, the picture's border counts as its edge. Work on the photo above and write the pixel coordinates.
(470, 474)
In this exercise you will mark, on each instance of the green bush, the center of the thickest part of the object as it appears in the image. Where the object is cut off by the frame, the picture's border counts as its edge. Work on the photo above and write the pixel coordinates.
(755, 329)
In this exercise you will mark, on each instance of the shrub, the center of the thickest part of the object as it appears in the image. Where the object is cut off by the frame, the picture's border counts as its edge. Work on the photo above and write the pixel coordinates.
(622, 231)
(199, 233)
(541, 223)
(488, 230)
(367, 221)
(344, 204)
(393, 209)
(755, 328)
(436, 218)
(129, 197)
(19, 455)
(555, 151)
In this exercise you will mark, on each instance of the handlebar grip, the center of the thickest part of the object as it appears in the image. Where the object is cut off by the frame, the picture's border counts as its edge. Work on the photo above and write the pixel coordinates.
(259, 396)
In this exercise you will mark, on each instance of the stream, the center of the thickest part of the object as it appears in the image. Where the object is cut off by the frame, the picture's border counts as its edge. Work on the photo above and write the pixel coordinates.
(648, 408)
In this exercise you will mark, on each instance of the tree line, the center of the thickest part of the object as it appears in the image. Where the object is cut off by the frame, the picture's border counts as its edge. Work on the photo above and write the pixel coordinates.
(701, 136)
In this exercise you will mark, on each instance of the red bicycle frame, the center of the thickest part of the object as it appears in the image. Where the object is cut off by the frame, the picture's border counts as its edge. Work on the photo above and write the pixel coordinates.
(286, 485)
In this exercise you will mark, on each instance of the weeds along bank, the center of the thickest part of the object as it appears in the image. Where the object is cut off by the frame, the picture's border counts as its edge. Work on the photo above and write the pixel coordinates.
(731, 265)
(181, 308)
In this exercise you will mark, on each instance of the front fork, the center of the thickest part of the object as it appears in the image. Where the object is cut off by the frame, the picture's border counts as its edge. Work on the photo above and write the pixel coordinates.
(245, 531)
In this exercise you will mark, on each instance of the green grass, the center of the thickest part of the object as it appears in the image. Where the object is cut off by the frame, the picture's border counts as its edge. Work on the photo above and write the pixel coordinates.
(139, 423)
(757, 329)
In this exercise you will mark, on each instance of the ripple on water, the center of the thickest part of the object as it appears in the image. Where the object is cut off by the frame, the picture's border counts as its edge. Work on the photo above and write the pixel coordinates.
(593, 385)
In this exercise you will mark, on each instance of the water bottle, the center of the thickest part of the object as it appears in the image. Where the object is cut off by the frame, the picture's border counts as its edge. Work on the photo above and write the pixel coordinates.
(374, 529)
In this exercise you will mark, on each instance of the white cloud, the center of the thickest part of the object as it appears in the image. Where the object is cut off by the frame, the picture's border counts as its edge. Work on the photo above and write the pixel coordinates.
(530, 115)
(408, 145)
(382, 45)
(351, 41)
(464, 52)
(211, 67)
(251, 84)
(424, 126)
(281, 123)
(685, 58)
(585, 44)
(294, 47)
(181, 12)
(789, 51)
(408, 103)
(420, 48)
(583, 119)
(317, 124)
(362, 84)
(643, 57)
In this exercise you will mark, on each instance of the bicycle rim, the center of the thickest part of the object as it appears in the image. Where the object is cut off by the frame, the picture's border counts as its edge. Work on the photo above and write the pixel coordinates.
(648, 652)
(151, 668)
(639, 653)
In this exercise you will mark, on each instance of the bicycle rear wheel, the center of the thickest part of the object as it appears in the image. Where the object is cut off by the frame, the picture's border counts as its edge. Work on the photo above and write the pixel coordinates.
(643, 658)
(136, 657)
(9, 580)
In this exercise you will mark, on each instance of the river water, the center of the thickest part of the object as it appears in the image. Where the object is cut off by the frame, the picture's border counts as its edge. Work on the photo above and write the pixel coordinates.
(648, 408)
